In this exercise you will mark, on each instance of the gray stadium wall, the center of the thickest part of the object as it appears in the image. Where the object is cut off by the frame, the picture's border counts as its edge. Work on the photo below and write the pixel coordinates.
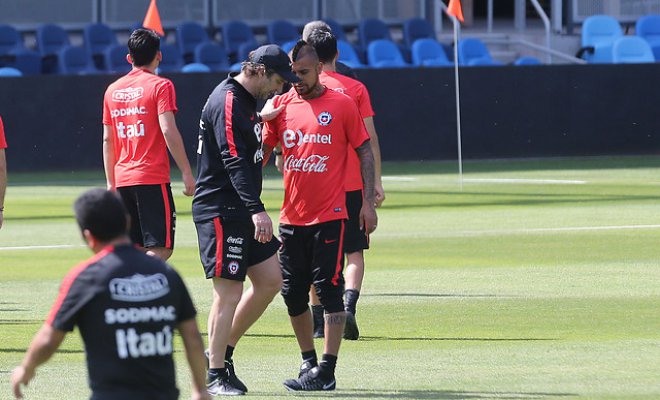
(54, 122)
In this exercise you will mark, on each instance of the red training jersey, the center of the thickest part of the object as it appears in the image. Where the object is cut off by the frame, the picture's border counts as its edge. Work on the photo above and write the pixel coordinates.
(3, 141)
(131, 106)
(358, 92)
(316, 136)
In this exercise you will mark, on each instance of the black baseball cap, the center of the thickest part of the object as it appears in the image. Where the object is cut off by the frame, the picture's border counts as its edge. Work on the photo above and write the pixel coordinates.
(273, 57)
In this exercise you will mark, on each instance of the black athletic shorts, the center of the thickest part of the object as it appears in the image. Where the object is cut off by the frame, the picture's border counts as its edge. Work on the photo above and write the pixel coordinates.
(355, 239)
(227, 247)
(153, 217)
(313, 254)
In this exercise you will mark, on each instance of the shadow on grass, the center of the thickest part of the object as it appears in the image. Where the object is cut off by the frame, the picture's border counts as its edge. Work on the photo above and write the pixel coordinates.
(23, 350)
(423, 394)
(430, 295)
(19, 321)
(415, 338)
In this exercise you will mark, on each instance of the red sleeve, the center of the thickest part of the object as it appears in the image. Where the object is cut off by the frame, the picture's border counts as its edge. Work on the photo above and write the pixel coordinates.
(364, 102)
(269, 133)
(355, 130)
(107, 120)
(3, 141)
(166, 97)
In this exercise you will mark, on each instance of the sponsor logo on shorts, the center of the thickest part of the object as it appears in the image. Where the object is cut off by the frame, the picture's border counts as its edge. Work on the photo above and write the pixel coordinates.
(139, 287)
(232, 267)
(235, 240)
(324, 118)
(128, 94)
(234, 256)
(337, 210)
(235, 249)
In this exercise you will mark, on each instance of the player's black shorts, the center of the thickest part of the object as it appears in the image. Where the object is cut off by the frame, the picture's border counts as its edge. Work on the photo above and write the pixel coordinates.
(227, 247)
(153, 217)
(355, 239)
(313, 254)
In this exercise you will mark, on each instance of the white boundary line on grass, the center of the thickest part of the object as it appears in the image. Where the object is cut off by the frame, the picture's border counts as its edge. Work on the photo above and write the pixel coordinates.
(530, 181)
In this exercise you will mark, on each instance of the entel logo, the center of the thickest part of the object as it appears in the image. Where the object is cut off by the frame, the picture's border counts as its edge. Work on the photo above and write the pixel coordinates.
(297, 138)
(128, 94)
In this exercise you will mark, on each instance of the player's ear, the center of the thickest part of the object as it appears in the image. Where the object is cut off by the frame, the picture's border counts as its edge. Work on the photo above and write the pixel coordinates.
(89, 238)
(129, 59)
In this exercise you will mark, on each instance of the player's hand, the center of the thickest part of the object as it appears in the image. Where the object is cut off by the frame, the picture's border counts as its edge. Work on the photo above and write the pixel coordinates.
(189, 184)
(269, 111)
(20, 376)
(279, 163)
(379, 192)
(263, 227)
(111, 187)
(368, 217)
(201, 395)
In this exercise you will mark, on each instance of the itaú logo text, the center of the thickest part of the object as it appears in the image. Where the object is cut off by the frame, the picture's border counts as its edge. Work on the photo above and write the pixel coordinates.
(291, 138)
(313, 163)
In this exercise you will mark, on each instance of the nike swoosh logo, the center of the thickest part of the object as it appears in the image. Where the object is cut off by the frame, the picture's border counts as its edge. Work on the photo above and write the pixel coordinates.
(329, 241)
(328, 385)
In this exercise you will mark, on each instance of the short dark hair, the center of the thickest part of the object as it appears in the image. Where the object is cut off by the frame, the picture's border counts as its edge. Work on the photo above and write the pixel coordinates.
(143, 45)
(325, 44)
(301, 49)
(102, 213)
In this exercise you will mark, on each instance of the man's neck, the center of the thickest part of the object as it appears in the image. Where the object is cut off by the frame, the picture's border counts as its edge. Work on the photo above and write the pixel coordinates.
(247, 83)
(330, 67)
(316, 92)
(98, 246)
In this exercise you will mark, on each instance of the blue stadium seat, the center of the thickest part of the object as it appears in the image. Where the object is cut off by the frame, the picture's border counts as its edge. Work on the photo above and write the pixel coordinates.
(244, 51)
(235, 34)
(429, 53)
(51, 38)
(527, 60)
(631, 50)
(115, 59)
(385, 54)
(281, 31)
(337, 29)
(9, 72)
(172, 61)
(97, 38)
(288, 46)
(212, 55)
(416, 28)
(10, 40)
(196, 68)
(598, 35)
(648, 27)
(347, 54)
(472, 52)
(27, 61)
(188, 36)
(371, 29)
(75, 60)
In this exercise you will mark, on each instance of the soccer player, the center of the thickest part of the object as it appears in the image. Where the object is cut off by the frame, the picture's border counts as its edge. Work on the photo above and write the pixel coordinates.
(355, 239)
(3, 171)
(234, 231)
(126, 306)
(320, 25)
(138, 128)
(317, 129)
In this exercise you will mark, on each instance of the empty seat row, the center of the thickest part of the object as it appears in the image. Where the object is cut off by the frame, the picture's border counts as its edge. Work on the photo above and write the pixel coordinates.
(603, 40)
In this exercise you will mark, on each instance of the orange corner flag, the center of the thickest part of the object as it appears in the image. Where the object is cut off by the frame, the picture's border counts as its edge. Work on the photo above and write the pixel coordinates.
(152, 19)
(454, 8)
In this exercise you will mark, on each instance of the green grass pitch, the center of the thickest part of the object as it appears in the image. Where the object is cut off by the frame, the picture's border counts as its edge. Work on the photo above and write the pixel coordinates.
(540, 279)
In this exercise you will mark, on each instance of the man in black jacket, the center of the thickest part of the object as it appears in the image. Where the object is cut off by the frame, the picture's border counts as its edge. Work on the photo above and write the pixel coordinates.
(234, 231)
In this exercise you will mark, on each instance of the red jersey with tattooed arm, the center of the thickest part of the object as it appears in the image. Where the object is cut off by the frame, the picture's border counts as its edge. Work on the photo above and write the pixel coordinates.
(3, 141)
(316, 137)
(131, 107)
(358, 92)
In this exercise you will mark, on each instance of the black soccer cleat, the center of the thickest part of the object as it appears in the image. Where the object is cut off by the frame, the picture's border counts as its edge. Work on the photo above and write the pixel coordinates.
(233, 379)
(351, 331)
(305, 367)
(311, 381)
(222, 387)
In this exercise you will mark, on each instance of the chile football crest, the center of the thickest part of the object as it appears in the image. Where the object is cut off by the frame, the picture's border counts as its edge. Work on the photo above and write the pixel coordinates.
(324, 118)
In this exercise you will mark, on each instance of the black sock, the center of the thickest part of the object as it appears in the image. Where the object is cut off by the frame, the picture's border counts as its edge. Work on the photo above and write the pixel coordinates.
(229, 353)
(351, 296)
(215, 373)
(317, 314)
(310, 356)
(328, 364)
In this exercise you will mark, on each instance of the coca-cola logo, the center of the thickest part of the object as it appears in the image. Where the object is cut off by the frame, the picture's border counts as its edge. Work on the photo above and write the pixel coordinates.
(313, 163)
(292, 138)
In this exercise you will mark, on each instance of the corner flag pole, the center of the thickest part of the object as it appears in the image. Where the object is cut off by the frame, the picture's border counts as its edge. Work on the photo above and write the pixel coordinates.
(458, 104)
(455, 11)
